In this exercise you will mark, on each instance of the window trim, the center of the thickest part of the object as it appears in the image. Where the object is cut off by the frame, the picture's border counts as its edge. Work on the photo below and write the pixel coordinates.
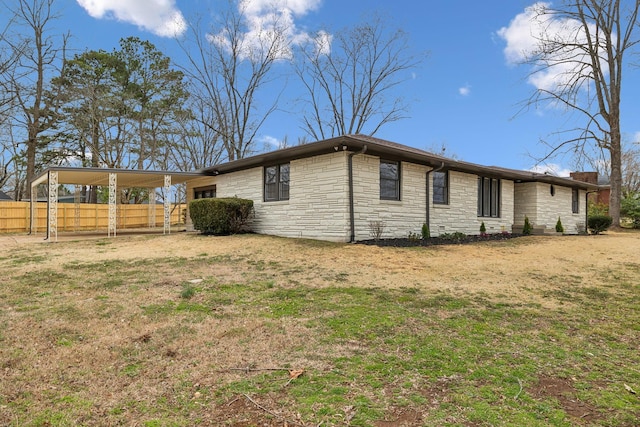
(445, 188)
(397, 180)
(198, 192)
(280, 184)
(575, 200)
(489, 197)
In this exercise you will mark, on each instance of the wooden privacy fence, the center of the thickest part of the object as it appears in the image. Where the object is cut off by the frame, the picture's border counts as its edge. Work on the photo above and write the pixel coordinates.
(15, 216)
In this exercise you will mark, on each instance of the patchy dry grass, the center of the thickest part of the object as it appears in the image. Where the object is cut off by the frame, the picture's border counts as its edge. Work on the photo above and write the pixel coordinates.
(185, 330)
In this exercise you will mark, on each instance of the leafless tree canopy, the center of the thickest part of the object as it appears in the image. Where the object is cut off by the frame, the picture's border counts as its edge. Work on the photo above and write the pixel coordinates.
(586, 45)
(229, 72)
(133, 107)
(39, 55)
(350, 79)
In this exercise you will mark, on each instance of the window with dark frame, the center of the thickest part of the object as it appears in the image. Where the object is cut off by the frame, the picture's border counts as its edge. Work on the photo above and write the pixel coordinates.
(204, 192)
(575, 200)
(488, 197)
(389, 180)
(276, 182)
(441, 187)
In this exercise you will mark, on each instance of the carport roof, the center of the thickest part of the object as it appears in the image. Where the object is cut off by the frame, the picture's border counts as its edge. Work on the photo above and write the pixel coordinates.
(126, 177)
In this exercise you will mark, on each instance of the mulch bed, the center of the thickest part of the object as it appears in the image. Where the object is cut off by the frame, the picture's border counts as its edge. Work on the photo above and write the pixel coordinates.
(433, 241)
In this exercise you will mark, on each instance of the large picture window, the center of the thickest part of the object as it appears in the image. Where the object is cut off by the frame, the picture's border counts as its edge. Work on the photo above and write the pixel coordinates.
(441, 188)
(488, 197)
(276, 182)
(389, 180)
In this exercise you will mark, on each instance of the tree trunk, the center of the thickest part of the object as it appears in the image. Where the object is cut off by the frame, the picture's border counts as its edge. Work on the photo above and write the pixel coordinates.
(32, 143)
(616, 176)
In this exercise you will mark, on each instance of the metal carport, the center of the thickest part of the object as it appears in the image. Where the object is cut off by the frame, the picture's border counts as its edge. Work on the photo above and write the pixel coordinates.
(111, 178)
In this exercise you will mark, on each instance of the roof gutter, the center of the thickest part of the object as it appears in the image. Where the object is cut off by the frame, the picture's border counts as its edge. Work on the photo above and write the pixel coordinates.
(428, 210)
(352, 220)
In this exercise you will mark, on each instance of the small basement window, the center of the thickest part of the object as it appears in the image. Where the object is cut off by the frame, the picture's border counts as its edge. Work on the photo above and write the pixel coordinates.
(204, 192)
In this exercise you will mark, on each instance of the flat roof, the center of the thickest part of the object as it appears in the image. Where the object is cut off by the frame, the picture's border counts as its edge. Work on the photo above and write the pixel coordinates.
(126, 177)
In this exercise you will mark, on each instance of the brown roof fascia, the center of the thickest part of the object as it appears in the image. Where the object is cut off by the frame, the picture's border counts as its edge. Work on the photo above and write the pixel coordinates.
(392, 151)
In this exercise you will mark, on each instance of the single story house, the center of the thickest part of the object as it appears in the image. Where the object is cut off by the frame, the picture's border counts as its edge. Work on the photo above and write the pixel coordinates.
(338, 189)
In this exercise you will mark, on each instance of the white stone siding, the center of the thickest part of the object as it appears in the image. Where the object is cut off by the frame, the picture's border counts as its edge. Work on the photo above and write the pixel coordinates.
(534, 200)
(318, 198)
(318, 206)
(399, 217)
(526, 203)
(461, 214)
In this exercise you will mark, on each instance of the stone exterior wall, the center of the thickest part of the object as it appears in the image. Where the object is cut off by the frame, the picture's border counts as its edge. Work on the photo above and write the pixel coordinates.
(461, 214)
(535, 200)
(526, 203)
(318, 205)
(399, 217)
(318, 199)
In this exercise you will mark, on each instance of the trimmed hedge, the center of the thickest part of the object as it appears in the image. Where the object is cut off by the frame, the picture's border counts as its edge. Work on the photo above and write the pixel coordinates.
(599, 223)
(220, 216)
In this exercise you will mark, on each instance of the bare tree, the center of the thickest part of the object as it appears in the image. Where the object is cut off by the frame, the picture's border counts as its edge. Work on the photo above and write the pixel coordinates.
(230, 67)
(350, 79)
(197, 146)
(585, 43)
(38, 56)
(631, 171)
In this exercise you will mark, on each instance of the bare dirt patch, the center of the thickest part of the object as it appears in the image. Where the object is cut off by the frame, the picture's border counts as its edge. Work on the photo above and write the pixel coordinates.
(564, 391)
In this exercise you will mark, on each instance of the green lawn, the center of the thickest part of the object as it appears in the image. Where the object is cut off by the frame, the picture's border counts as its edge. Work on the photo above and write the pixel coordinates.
(140, 343)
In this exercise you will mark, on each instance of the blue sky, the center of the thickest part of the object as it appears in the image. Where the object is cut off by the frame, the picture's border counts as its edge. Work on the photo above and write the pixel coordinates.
(465, 95)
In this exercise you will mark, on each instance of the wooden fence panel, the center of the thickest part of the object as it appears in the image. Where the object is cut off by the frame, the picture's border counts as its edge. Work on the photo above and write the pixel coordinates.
(15, 216)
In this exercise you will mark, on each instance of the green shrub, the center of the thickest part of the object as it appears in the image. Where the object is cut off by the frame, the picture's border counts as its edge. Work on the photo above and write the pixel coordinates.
(188, 292)
(425, 231)
(483, 229)
(454, 237)
(599, 223)
(597, 209)
(527, 228)
(630, 208)
(559, 227)
(220, 216)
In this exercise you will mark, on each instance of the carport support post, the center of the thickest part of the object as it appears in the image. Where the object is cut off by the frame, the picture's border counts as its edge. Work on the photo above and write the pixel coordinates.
(167, 204)
(113, 181)
(32, 220)
(52, 206)
(152, 208)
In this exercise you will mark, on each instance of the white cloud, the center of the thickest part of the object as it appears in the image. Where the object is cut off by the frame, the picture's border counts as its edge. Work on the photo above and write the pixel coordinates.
(161, 17)
(636, 138)
(465, 90)
(551, 169)
(297, 7)
(523, 37)
(271, 142)
(272, 23)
